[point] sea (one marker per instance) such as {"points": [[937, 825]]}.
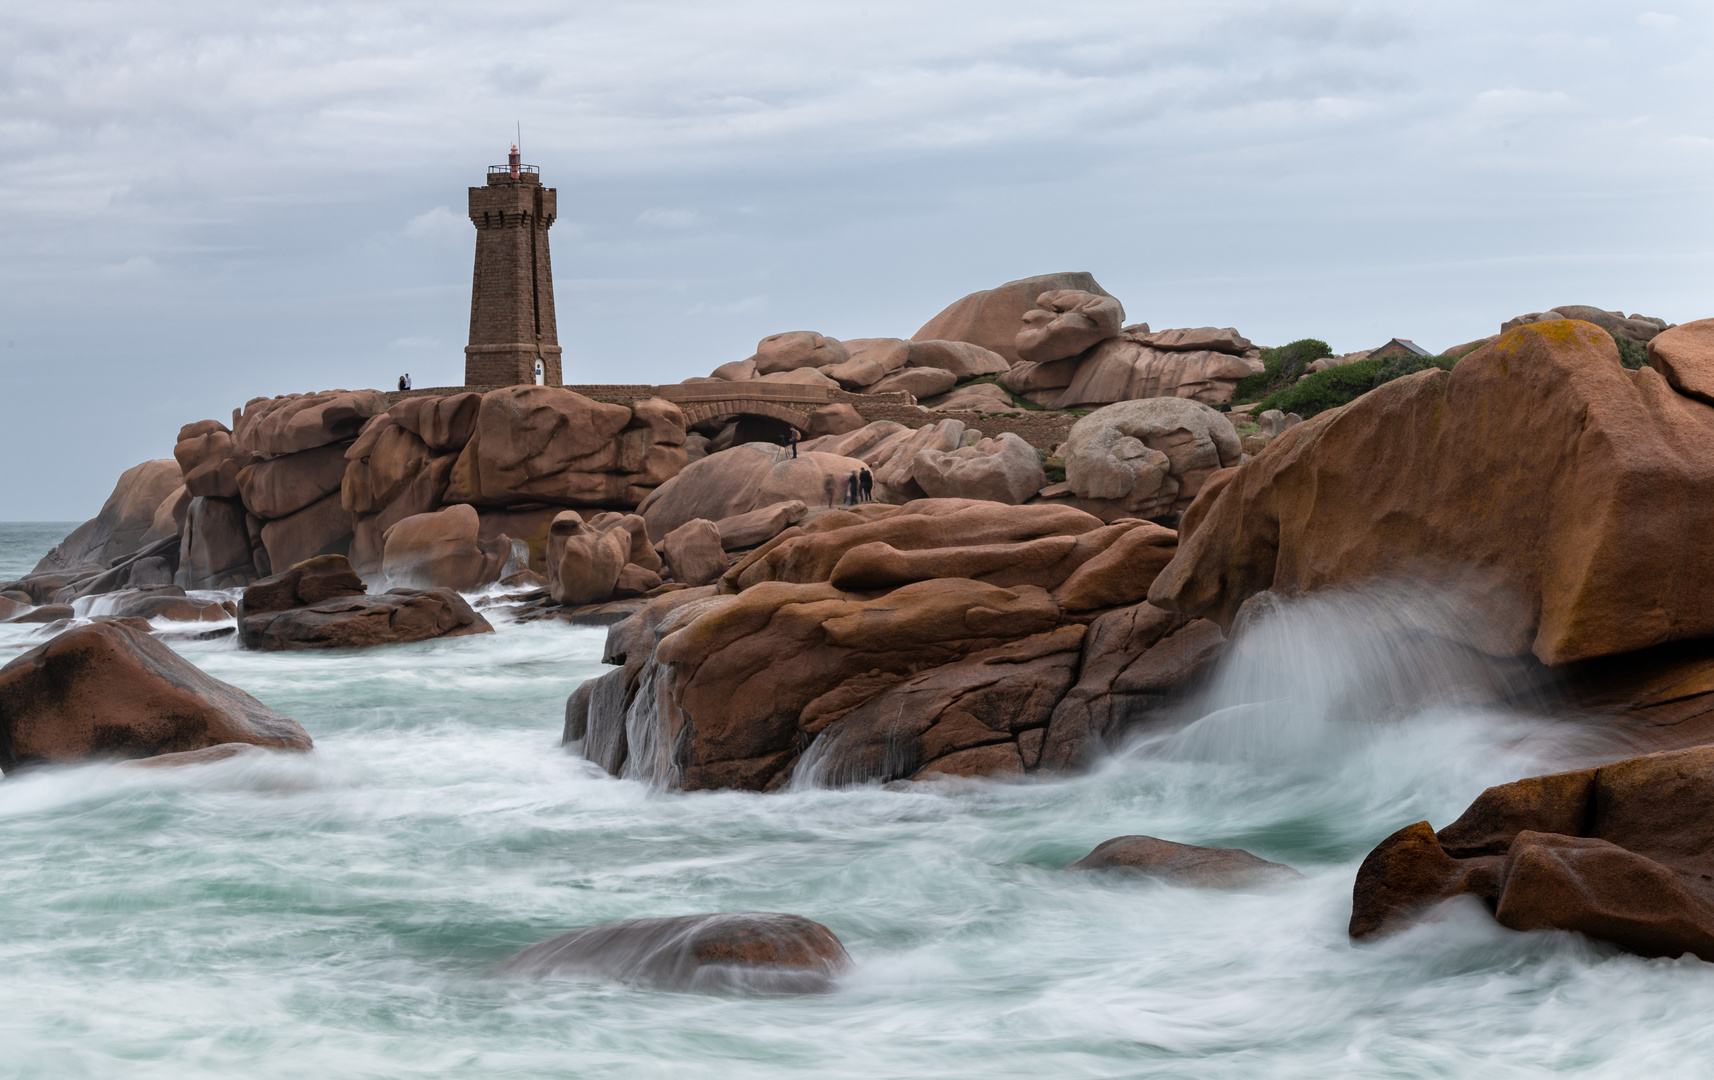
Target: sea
{"points": [[335, 914]]}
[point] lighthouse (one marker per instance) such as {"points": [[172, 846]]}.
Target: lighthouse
{"points": [[513, 337]]}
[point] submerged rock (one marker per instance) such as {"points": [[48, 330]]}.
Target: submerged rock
{"points": [[170, 605], [110, 690], [754, 952], [1623, 853], [218, 752], [1184, 864], [47, 613]]}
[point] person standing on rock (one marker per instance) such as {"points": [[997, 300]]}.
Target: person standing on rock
{"points": [[851, 488], [792, 439], [866, 484], [828, 484]]}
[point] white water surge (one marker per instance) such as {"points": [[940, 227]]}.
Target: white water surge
{"points": [[333, 915]]}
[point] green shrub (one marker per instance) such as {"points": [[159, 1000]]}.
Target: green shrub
{"points": [[1632, 354], [1346, 383], [1280, 367], [1052, 466]]}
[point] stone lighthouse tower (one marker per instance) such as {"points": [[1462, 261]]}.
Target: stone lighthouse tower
{"points": [[513, 337]]}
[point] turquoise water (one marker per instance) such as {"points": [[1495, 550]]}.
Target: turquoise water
{"points": [[332, 915]]}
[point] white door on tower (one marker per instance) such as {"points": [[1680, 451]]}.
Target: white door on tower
{"points": [[541, 374]]}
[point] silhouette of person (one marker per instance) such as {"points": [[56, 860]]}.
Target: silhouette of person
{"points": [[866, 480], [401, 382], [851, 486], [828, 485]]}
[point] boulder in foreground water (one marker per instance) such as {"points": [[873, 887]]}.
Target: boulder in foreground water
{"points": [[108, 690], [757, 952], [1184, 864], [1623, 853]]}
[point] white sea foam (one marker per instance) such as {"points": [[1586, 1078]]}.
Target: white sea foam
{"points": [[332, 915]]}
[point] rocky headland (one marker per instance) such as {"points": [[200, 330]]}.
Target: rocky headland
{"points": [[995, 548]]}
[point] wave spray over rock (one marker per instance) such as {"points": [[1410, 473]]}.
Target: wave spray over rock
{"points": [[1309, 678]]}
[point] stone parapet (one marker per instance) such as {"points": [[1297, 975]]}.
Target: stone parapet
{"points": [[701, 400]]}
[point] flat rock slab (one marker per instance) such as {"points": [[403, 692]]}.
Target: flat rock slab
{"points": [[354, 622], [111, 690], [1185, 864], [756, 952]]}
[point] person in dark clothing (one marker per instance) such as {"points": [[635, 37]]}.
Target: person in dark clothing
{"points": [[866, 480], [401, 382], [851, 489]]}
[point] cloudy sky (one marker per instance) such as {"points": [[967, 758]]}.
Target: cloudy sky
{"points": [[213, 201]]}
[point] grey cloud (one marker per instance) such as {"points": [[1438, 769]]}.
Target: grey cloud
{"points": [[216, 202]]}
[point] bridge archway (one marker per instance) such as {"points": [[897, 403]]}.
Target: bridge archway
{"points": [[722, 410]]}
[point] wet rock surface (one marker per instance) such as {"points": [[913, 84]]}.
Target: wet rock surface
{"points": [[112, 690], [1601, 463], [323, 604], [874, 644], [747, 952], [1621, 853], [1184, 864]]}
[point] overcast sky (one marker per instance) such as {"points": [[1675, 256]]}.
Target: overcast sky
{"points": [[210, 202]]}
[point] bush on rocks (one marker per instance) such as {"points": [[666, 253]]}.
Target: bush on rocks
{"points": [[1281, 366]]}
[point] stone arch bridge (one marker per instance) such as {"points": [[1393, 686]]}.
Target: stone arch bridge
{"points": [[792, 403], [788, 402]]}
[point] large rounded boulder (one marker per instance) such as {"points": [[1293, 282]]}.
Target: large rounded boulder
{"points": [[1004, 469], [1065, 322], [443, 549], [108, 690], [742, 479], [1558, 499], [1149, 457], [992, 318]]}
